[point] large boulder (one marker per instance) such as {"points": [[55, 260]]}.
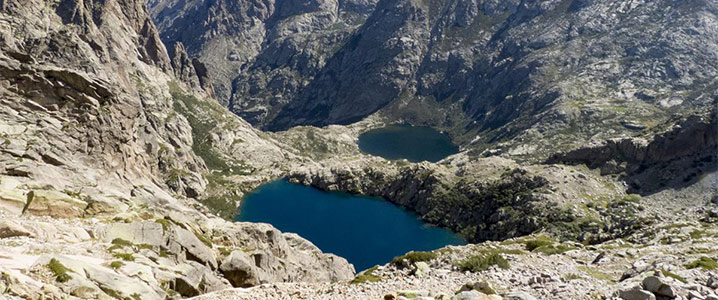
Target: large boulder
{"points": [[197, 279], [182, 240], [53, 203], [654, 285], [636, 294], [239, 270], [284, 256], [11, 229], [11, 200], [149, 233]]}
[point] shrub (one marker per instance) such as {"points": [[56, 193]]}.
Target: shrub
{"points": [[553, 249], [480, 263], [116, 264], [532, 245], [414, 256]]}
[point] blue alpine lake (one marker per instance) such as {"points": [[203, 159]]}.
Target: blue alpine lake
{"points": [[366, 231], [415, 143]]}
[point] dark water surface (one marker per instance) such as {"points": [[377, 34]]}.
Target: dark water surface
{"points": [[415, 143], [366, 231]]}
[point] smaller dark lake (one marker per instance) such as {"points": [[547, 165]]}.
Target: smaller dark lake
{"points": [[415, 143], [366, 231]]}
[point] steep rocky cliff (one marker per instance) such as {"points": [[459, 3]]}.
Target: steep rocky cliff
{"points": [[555, 73], [100, 164]]}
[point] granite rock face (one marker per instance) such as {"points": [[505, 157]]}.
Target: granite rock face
{"points": [[486, 71], [102, 162]]}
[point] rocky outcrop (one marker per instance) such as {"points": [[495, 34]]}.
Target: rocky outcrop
{"points": [[239, 269], [674, 158], [486, 199], [190, 71], [280, 257]]}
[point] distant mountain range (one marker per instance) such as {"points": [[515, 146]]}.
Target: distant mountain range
{"points": [[559, 73]]}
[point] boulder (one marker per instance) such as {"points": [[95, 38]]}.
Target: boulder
{"points": [[482, 286], [473, 295], [54, 204], [654, 285], [11, 200], [194, 248], [11, 229], [239, 270], [519, 296], [421, 269], [636, 294], [712, 281]]}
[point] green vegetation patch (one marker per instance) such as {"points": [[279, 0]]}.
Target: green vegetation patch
{"points": [[572, 276], [203, 239], [366, 276], [59, 270], [704, 262], [124, 256], [538, 242], [595, 273], [414, 256], [673, 275], [483, 262], [116, 264], [544, 244], [553, 249], [203, 116], [121, 242], [224, 251], [699, 234]]}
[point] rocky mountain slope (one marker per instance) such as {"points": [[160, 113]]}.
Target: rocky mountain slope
{"points": [[665, 264], [99, 165], [116, 160], [556, 73]]}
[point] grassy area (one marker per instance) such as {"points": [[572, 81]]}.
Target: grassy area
{"points": [[366, 276], [704, 262], [124, 256], [119, 243], [413, 257], [543, 244], [203, 239], [673, 275], [595, 273], [483, 262]]}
